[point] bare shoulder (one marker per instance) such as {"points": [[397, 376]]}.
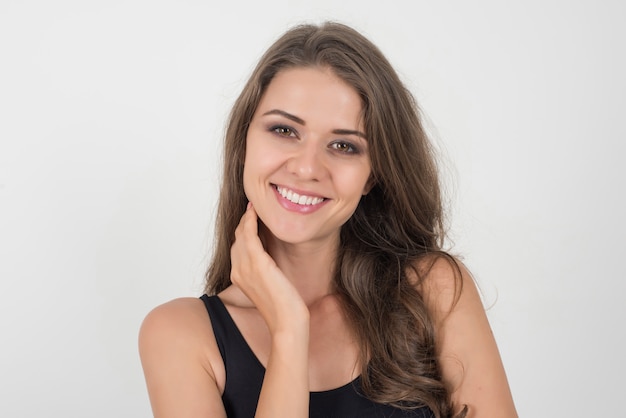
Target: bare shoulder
{"points": [[447, 286], [180, 326], [175, 311], [181, 362], [468, 354], [182, 321]]}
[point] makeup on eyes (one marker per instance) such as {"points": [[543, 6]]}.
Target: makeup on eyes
{"points": [[284, 130], [281, 130], [341, 145]]}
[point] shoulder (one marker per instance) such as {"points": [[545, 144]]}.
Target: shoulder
{"points": [[184, 317], [468, 355], [446, 286], [179, 331], [181, 362]]}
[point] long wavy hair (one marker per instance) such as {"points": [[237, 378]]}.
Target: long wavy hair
{"points": [[396, 226]]}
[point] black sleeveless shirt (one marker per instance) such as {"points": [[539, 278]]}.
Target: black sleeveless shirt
{"points": [[244, 377]]}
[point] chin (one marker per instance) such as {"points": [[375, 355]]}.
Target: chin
{"points": [[283, 233], [291, 234]]}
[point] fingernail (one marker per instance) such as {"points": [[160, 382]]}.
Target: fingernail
{"points": [[249, 205]]}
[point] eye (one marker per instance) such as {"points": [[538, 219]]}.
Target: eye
{"points": [[283, 131], [344, 147]]}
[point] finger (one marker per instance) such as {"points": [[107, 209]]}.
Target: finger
{"points": [[247, 243], [242, 221], [250, 222]]}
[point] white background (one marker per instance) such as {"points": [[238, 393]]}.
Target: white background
{"points": [[111, 117]]}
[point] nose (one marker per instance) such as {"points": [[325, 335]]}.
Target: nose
{"points": [[307, 162]]}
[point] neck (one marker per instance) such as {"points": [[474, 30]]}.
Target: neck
{"points": [[309, 266]]}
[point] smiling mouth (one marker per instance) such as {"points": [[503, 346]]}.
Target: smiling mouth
{"points": [[296, 198]]}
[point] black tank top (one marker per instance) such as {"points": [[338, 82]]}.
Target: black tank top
{"points": [[244, 377]]}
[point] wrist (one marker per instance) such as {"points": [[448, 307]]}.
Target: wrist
{"points": [[291, 327]]}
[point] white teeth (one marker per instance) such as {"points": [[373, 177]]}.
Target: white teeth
{"points": [[299, 199]]}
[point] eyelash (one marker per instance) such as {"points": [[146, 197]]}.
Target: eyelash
{"points": [[351, 148], [280, 130]]}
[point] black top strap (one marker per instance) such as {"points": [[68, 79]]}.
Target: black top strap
{"points": [[244, 378]]}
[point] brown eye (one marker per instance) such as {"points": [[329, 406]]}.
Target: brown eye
{"points": [[283, 131], [344, 147]]}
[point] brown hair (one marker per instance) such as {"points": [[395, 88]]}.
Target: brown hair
{"points": [[396, 225]]}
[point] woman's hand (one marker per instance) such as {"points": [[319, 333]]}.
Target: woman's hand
{"points": [[259, 278], [285, 390]]}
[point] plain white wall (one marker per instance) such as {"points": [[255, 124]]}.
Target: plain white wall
{"points": [[111, 116]]}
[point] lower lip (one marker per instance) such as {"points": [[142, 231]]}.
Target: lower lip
{"points": [[294, 207]]}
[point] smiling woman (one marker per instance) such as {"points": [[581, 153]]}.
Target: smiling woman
{"points": [[305, 154], [328, 293]]}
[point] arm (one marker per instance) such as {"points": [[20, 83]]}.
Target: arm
{"points": [[469, 358], [177, 350], [182, 363], [285, 390]]}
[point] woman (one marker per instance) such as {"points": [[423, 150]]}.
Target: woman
{"points": [[328, 259]]}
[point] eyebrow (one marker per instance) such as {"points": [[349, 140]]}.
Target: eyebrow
{"points": [[303, 123], [285, 114]]}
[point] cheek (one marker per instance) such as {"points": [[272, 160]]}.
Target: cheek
{"points": [[353, 184], [262, 158], [246, 186], [248, 173], [361, 181], [258, 166], [251, 177]]}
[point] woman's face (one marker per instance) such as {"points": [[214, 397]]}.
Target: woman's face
{"points": [[307, 162]]}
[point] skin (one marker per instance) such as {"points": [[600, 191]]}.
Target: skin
{"points": [[306, 135]]}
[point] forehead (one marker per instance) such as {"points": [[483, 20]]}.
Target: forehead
{"points": [[314, 94]]}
